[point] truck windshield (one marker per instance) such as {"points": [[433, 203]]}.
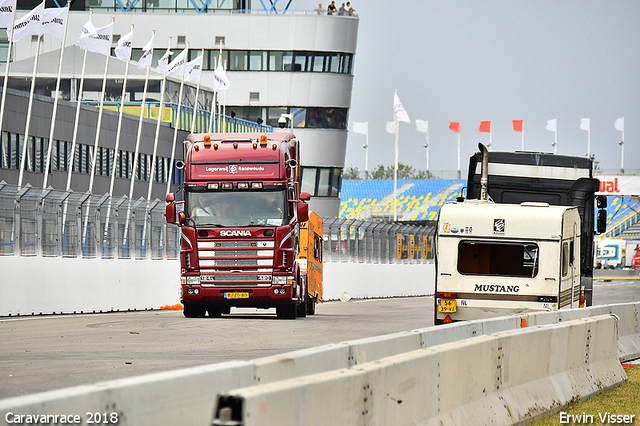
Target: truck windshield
{"points": [[225, 209]]}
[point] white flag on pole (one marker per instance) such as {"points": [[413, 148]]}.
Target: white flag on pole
{"points": [[29, 24], [220, 80], [123, 47], [361, 128], [552, 125], [422, 126], [6, 13], [193, 70], [619, 124], [88, 29], [147, 55], [176, 67], [99, 41], [390, 126], [585, 124], [53, 21], [163, 63], [399, 112]]}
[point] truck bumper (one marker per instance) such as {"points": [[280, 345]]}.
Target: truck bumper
{"points": [[253, 297]]}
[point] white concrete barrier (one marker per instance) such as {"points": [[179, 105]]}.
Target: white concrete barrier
{"points": [[505, 378], [53, 285], [368, 280], [186, 397], [46, 285]]}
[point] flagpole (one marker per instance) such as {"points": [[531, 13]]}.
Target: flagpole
{"points": [[622, 151], [55, 103], [589, 139], [427, 146], [395, 169], [97, 140], [23, 160], [77, 120], [490, 136], [522, 135], [459, 171], [8, 63], [195, 102], [140, 122], [555, 140], [176, 125], [213, 104], [159, 120], [224, 106], [118, 131], [366, 157]]}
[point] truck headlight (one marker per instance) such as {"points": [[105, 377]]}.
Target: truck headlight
{"points": [[280, 280], [191, 280]]}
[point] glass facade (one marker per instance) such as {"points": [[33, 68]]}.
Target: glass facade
{"points": [[11, 146], [268, 60]]}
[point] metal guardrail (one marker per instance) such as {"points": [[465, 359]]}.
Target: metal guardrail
{"points": [[352, 240], [54, 223]]}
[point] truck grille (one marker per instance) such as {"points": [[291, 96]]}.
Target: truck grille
{"points": [[237, 263]]}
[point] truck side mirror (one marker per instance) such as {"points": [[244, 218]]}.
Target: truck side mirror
{"points": [[182, 218], [601, 201], [303, 211], [170, 210], [602, 221], [305, 196]]}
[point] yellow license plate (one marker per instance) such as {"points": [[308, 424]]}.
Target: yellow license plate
{"points": [[446, 305], [236, 295]]}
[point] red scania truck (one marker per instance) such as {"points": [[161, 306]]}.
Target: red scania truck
{"points": [[240, 224]]}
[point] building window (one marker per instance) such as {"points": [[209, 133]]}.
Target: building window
{"points": [[237, 60], [5, 148]]}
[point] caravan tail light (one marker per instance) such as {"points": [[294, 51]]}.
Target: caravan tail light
{"points": [[447, 295]]}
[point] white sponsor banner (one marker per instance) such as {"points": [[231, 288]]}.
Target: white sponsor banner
{"points": [[619, 185]]}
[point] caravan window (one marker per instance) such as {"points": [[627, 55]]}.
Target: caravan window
{"points": [[498, 258]]}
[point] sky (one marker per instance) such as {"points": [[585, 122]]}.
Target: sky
{"points": [[498, 60]]}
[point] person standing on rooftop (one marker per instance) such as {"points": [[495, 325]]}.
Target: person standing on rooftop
{"points": [[320, 9], [342, 10], [332, 8], [350, 9]]}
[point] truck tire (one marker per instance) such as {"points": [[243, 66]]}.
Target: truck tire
{"points": [[287, 311], [214, 312], [302, 307], [311, 305], [193, 311]]}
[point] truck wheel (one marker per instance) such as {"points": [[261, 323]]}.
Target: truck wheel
{"points": [[193, 311], [287, 311], [303, 307], [311, 305], [214, 312]]}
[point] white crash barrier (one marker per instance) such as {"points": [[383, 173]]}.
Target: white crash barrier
{"points": [[505, 378], [629, 333], [187, 396]]}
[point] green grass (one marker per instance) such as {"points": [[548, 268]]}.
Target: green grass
{"points": [[624, 399]]}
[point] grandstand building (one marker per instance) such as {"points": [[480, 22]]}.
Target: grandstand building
{"points": [[296, 63]]}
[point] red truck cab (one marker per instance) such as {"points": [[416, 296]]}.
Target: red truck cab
{"points": [[240, 224]]}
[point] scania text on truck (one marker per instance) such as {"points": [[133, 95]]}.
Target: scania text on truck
{"points": [[240, 225]]}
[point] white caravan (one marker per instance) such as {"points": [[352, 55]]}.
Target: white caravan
{"points": [[500, 259]]}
